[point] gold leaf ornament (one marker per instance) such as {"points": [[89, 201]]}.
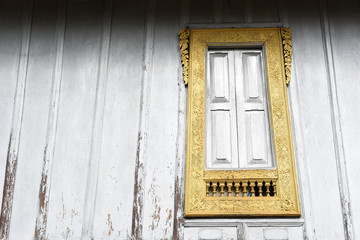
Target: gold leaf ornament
{"points": [[286, 35], [184, 35]]}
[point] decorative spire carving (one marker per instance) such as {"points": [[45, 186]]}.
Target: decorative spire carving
{"points": [[184, 35], [286, 35]]}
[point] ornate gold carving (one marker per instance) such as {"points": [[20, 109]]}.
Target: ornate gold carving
{"points": [[197, 204], [184, 50], [286, 35]]}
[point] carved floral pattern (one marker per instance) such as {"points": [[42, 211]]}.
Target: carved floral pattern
{"points": [[184, 50], [286, 35]]}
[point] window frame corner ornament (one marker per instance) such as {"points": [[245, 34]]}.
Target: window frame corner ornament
{"points": [[286, 35], [184, 35]]}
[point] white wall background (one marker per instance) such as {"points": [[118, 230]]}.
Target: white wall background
{"points": [[92, 103]]}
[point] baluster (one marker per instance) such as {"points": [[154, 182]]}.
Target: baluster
{"points": [[207, 188], [222, 187], [267, 185], [237, 189], [260, 188], [245, 192], [252, 188], [274, 186]]}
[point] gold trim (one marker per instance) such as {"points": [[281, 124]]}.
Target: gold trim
{"points": [[286, 203], [184, 35], [286, 35]]}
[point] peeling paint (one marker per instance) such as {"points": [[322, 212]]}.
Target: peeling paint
{"points": [[136, 230], [41, 220], [8, 191], [109, 223]]}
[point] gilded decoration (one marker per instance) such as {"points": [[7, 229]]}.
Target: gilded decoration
{"points": [[286, 35], [184, 50], [286, 202]]}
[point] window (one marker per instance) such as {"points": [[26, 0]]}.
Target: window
{"points": [[240, 159], [237, 122]]}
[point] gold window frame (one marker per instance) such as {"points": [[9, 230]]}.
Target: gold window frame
{"points": [[276, 43]]}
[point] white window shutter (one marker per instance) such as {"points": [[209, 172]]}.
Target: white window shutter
{"points": [[237, 122], [221, 138]]}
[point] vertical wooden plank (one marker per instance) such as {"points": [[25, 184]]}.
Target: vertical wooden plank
{"points": [[114, 198], [96, 136], [233, 11], [142, 141], [315, 108], [10, 40], [265, 11], [53, 111], [201, 11], [35, 116], [180, 140], [341, 21], [17, 115], [161, 148], [76, 109]]}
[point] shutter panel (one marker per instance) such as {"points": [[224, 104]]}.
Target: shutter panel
{"points": [[253, 110], [221, 143]]}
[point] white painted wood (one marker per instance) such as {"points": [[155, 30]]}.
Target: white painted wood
{"points": [[256, 137], [96, 139], [35, 133], [219, 77], [11, 24], [336, 124], [115, 192], [233, 11], [317, 129], [265, 10], [12, 156], [252, 110], [221, 132], [325, 124], [221, 137], [296, 120], [210, 233], [274, 233], [76, 111], [162, 135], [201, 11], [237, 114]]}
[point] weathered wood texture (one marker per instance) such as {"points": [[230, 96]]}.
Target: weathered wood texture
{"points": [[93, 111]]}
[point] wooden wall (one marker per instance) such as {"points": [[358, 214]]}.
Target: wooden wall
{"points": [[93, 117]]}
